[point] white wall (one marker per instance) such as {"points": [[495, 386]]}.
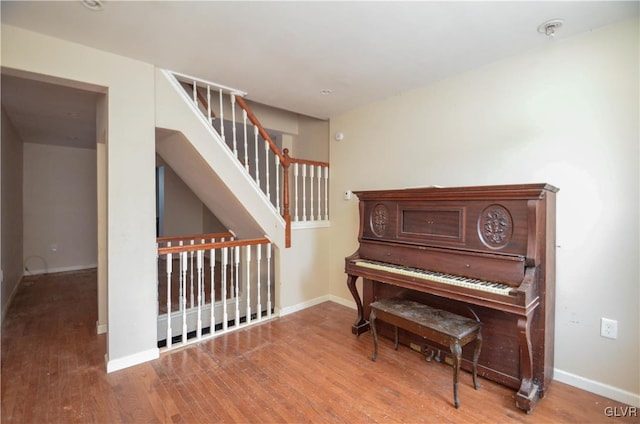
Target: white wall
{"points": [[183, 210], [102, 130], [11, 212], [59, 208], [301, 277], [130, 181], [565, 115], [312, 140]]}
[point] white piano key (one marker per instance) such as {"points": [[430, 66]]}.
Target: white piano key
{"points": [[455, 280]]}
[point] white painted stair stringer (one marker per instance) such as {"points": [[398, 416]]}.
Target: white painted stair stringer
{"points": [[198, 155]]}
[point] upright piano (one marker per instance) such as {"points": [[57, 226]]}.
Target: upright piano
{"points": [[488, 249]]}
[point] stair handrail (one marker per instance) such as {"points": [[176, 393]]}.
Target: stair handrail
{"points": [[209, 236], [308, 162], [284, 160], [214, 245], [254, 120], [189, 78]]}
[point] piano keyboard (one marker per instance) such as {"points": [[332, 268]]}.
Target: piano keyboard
{"points": [[439, 277]]}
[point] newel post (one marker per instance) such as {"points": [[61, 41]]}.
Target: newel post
{"points": [[285, 195]]}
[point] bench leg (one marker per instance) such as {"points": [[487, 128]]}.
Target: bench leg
{"points": [[476, 355], [372, 325], [456, 352]]}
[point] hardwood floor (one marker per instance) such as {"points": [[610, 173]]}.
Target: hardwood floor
{"points": [[304, 367]]}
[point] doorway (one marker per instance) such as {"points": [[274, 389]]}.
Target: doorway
{"points": [[57, 125]]}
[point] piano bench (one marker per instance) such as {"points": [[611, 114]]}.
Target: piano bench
{"points": [[441, 327]]}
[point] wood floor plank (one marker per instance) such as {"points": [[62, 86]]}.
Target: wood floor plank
{"points": [[304, 367]]}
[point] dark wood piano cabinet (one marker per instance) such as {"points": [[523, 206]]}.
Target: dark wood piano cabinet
{"points": [[491, 248]]}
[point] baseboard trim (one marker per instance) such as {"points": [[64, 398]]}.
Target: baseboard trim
{"points": [[303, 305], [5, 307], [318, 300], [342, 301], [131, 360], [597, 387], [60, 269], [101, 328]]}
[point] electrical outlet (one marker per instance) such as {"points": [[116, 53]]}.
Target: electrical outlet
{"points": [[609, 328]]}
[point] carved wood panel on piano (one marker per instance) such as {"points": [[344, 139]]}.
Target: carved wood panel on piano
{"points": [[491, 248]]}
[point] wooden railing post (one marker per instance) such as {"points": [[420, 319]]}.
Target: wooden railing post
{"points": [[285, 197]]}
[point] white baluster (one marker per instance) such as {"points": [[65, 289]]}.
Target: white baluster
{"points": [[295, 190], [191, 298], [236, 258], [255, 148], [222, 117], [266, 170], [223, 272], [258, 287], [311, 176], [326, 193], [209, 105], [304, 191], [183, 283], [269, 280], [199, 255], [183, 265], [247, 279], [278, 183], [212, 268], [233, 124], [195, 94], [169, 272], [246, 150], [319, 193]]}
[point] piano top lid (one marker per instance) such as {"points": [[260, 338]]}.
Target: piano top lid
{"points": [[512, 191]]}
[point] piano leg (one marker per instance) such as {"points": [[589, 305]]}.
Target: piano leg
{"points": [[527, 396], [360, 325]]}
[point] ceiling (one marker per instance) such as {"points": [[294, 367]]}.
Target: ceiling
{"points": [[284, 54], [46, 113]]}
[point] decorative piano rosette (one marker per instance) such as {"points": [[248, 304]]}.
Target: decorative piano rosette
{"points": [[379, 220], [495, 226]]}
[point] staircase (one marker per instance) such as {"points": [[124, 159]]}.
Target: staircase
{"points": [[210, 137], [200, 156]]}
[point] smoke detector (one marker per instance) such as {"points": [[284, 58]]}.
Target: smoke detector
{"points": [[550, 28]]}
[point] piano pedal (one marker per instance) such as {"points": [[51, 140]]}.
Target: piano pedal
{"points": [[431, 353], [429, 356]]}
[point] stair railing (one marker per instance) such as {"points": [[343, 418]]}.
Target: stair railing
{"points": [[209, 284], [282, 160], [214, 101]]}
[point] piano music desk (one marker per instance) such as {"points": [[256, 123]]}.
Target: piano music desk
{"points": [[441, 327]]}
